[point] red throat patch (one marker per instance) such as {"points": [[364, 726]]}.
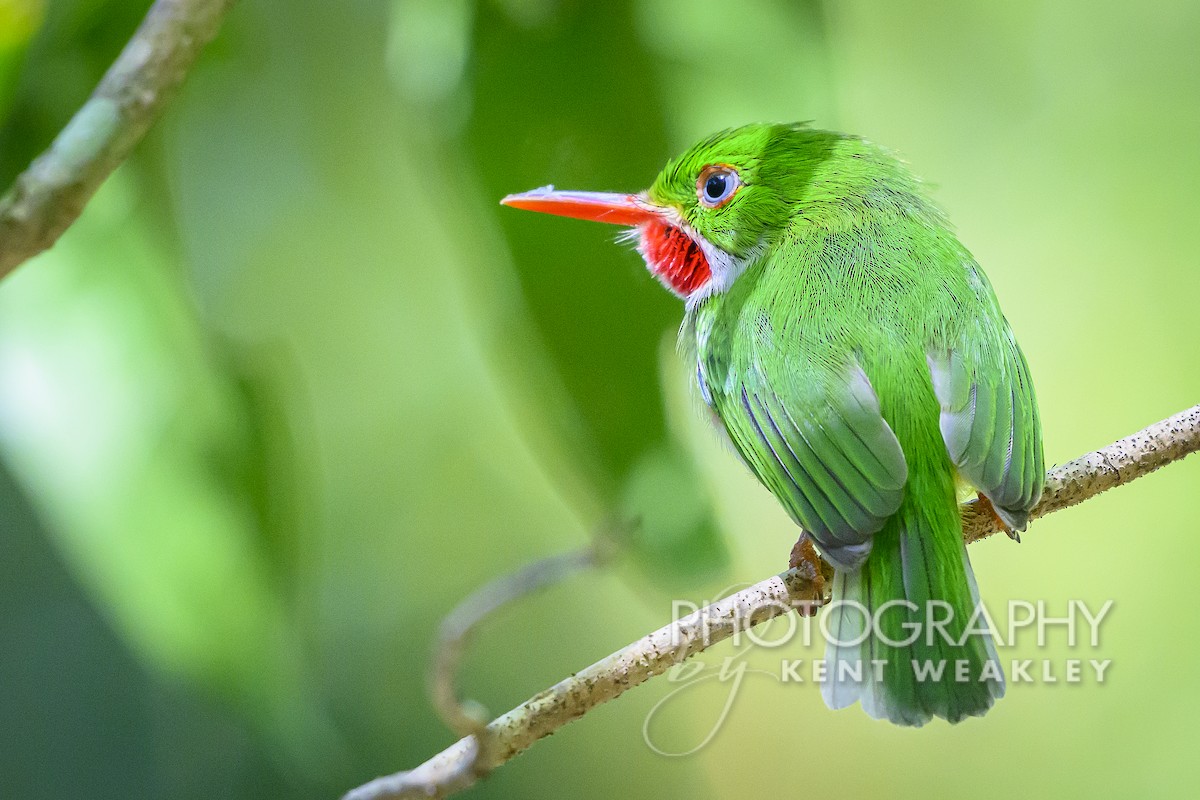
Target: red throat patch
{"points": [[674, 258]]}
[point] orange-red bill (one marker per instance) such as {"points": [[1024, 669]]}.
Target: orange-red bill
{"points": [[617, 209]]}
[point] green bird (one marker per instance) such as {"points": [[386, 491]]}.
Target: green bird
{"points": [[857, 357]]}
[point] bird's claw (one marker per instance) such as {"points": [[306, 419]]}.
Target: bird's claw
{"points": [[986, 506]]}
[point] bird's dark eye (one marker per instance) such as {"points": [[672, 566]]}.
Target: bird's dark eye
{"points": [[716, 185]]}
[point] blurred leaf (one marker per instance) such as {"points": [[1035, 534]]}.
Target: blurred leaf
{"points": [[592, 303], [675, 536], [713, 78], [428, 46], [115, 422], [19, 21]]}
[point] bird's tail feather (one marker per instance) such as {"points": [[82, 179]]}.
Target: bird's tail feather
{"points": [[905, 637]]}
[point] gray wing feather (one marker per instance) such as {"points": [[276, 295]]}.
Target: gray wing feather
{"points": [[990, 424]]}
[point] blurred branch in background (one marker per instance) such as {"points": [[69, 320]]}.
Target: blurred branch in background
{"points": [[458, 767], [468, 718], [51, 194]]}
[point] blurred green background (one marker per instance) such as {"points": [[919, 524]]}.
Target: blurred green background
{"points": [[295, 384]]}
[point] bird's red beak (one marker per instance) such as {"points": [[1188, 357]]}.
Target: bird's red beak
{"points": [[618, 209]]}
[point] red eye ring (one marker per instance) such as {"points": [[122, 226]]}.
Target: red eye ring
{"points": [[717, 185]]}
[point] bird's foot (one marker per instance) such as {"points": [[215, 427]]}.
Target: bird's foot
{"points": [[986, 507], [815, 571]]}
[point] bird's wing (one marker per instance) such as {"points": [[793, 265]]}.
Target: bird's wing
{"points": [[990, 422], [823, 448]]}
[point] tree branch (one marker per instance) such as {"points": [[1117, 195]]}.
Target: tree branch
{"points": [[466, 717], [50, 195], [1108, 467], [569, 699]]}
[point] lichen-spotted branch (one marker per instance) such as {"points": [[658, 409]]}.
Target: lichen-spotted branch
{"points": [[569, 699], [51, 194]]}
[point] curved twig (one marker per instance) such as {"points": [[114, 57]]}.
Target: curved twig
{"points": [[468, 718], [569, 699], [51, 194]]}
